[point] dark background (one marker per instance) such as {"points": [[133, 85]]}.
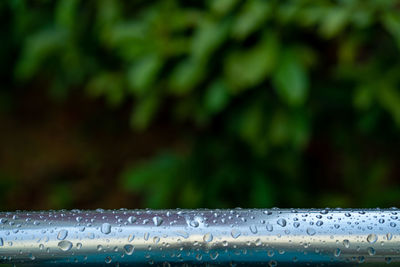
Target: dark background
{"points": [[219, 103]]}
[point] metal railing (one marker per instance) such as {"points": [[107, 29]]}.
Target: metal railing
{"points": [[273, 237]]}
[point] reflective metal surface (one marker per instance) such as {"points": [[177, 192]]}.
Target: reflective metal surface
{"points": [[272, 237]]}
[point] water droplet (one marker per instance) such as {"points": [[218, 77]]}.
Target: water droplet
{"points": [[31, 256], [235, 233], [319, 223], [132, 219], [78, 219], [337, 252], [156, 239], [208, 237], [272, 263], [310, 231], [392, 224], [79, 245], [108, 260], [157, 220], [194, 224], [389, 236], [99, 247], [65, 245], [381, 221], [182, 234], [324, 211], [128, 249], [269, 227], [371, 251], [336, 226], [372, 238], [347, 214], [296, 224], [360, 259], [253, 229], [130, 238], [270, 253], [346, 243], [1, 242], [62, 234], [214, 255], [281, 222], [106, 228]]}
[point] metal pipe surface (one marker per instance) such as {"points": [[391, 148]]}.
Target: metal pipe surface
{"points": [[268, 237]]}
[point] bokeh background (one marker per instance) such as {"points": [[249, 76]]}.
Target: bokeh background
{"points": [[187, 103]]}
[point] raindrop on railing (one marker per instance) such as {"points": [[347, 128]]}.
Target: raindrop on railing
{"points": [[106, 228], [208, 237], [132, 219], [372, 238], [310, 231], [281, 222], [235, 233], [65, 245], [128, 249], [62, 234], [157, 220]]}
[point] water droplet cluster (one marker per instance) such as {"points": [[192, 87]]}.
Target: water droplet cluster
{"points": [[271, 237]]}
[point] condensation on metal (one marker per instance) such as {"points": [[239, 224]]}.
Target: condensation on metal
{"points": [[273, 237]]}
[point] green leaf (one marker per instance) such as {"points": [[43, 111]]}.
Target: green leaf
{"points": [[129, 39], [144, 111], [108, 13], [186, 76], [253, 14], [222, 7], [363, 96], [208, 37], [216, 97], [334, 21], [66, 13], [107, 84], [287, 11], [143, 73], [248, 68], [391, 21], [38, 49], [291, 80], [310, 15]]}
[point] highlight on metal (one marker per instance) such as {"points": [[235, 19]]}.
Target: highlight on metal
{"points": [[267, 237]]}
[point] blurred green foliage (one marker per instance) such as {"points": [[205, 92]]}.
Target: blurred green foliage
{"points": [[289, 103]]}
